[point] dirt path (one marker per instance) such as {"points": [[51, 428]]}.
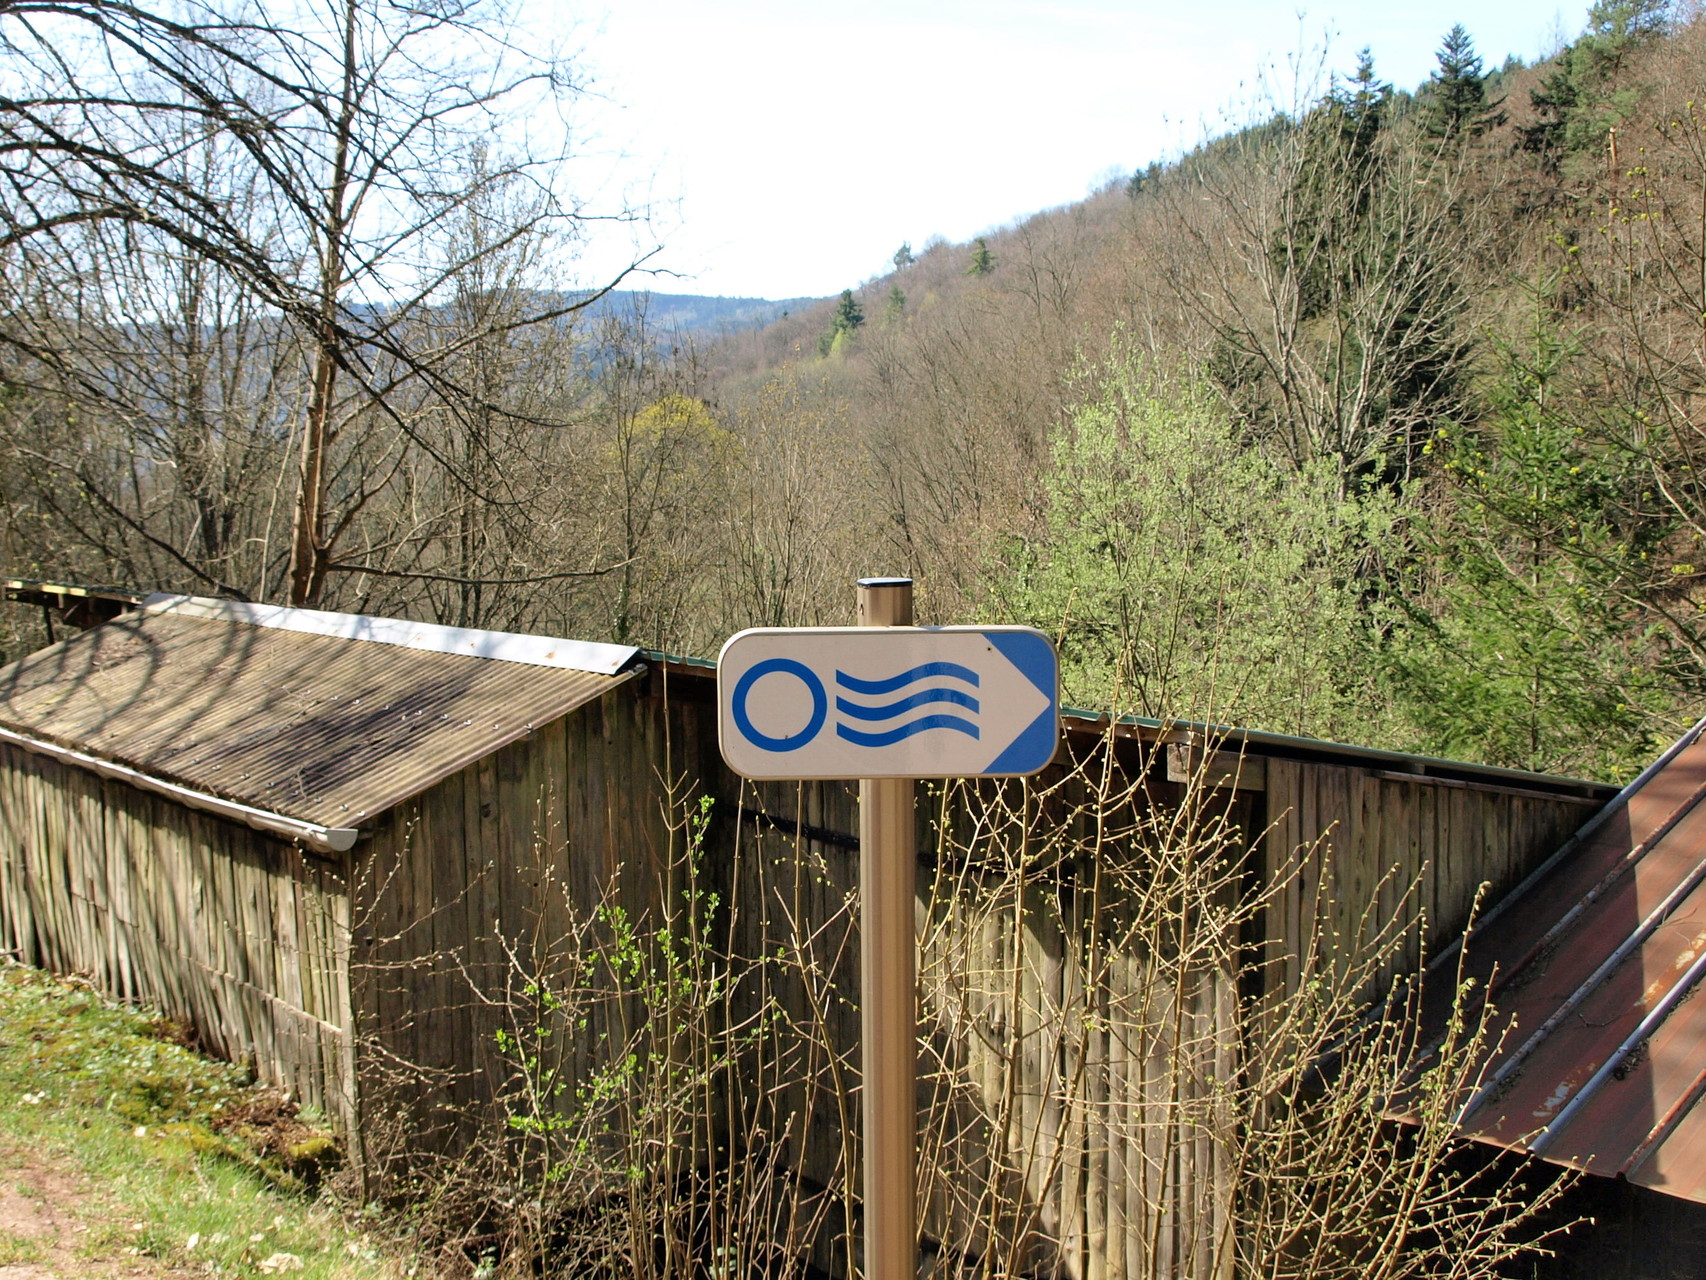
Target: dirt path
{"points": [[44, 1226]]}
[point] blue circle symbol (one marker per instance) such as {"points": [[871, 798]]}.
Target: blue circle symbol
{"points": [[756, 672]]}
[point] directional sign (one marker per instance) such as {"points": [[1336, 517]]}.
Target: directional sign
{"points": [[888, 702]]}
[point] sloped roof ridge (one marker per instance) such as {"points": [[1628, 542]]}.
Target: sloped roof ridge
{"points": [[429, 637]]}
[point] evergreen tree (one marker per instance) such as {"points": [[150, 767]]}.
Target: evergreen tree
{"points": [[896, 303], [1358, 113], [1362, 347], [1580, 100], [1523, 650], [1335, 184], [982, 260], [1141, 180], [903, 256], [1456, 104], [1554, 102], [848, 317]]}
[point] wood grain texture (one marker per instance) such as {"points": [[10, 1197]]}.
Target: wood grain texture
{"points": [[214, 923], [334, 975]]}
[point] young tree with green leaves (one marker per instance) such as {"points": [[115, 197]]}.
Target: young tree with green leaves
{"points": [[1185, 574]]}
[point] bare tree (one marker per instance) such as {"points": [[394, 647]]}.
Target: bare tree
{"points": [[663, 457], [795, 517], [343, 131], [1323, 254], [153, 451]]}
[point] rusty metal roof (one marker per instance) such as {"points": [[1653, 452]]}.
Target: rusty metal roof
{"points": [[328, 718], [1593, 965]]}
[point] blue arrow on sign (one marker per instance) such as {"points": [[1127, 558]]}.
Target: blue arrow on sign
{"points": [[1032, 654]]}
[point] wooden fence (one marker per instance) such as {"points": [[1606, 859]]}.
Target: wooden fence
{"points": [[244, 935], [402, 965], [1069, 1071]]}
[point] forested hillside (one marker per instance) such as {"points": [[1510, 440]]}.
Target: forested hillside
{"points": [[690, 314], [1376, 420]]}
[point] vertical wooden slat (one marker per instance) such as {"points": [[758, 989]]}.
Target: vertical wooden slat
{"points": [[212, 920]]}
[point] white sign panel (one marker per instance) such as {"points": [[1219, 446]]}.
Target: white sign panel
{"points": [[888, 702]]}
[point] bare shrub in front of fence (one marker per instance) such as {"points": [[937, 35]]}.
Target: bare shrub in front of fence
{"points": [[1144, 1052]]}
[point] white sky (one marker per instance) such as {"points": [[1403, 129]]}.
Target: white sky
{"points": [[790, 146]]}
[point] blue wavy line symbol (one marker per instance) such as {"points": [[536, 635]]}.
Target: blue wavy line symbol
{"points": [[872, 713]]}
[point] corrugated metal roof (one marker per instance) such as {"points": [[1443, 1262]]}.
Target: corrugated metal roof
{"points": [[1593, 967], [329, 718]]}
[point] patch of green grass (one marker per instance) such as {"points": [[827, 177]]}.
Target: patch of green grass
{"points": [[92, 1086], [19, 1250]]}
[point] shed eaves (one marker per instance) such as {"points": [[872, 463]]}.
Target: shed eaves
{"points": [[327, 718]]}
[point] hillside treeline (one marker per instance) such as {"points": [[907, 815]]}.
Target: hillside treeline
{"points": [[1375, 419]]}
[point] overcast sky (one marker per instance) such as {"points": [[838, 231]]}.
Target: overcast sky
{"points": [[790, 146]]}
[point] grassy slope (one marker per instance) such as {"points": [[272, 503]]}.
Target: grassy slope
{"points": [[152, 1157]]}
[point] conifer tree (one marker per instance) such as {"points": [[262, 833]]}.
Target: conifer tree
{"points": [[1335, 184], [1579, 100], [1457, 103], [848, 314], [1359, 112], [848, 317], [982, 260], [1141, 179], [1360, 347], [903, 256]]}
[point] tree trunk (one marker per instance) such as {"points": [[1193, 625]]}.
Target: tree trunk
{"points": [[310, 556]]}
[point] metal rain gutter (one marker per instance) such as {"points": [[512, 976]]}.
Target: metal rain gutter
{"points": [[1229, 738], [314, 836]]}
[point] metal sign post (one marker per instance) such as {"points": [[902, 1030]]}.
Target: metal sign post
{"points": [[888, 859], [888, 703]]}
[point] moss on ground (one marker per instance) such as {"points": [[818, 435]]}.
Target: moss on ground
{"points": [[175, 1157]]}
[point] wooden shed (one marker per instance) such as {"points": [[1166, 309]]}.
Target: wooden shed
{"points": [[184, 789], [341, 844]]}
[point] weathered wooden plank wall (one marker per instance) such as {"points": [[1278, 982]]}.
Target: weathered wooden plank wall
{"points": [[1042, 1141], [1423, 848], [1050, 1068], [242, 934], [487, 882], [1044, 1059]]}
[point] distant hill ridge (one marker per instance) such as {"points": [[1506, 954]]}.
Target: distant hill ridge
{"points": [[695, 313]]}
